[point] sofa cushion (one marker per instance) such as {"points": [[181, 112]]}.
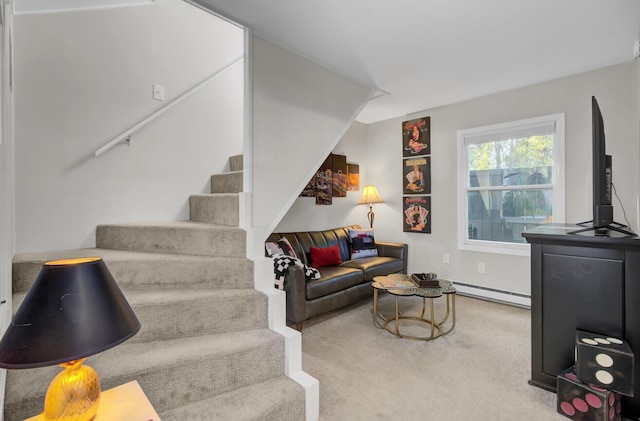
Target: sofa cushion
{"points": [[325, 256], [375, 266], [333, 279], [362, 243]]}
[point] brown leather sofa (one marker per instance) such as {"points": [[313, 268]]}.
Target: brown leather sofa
{"points": [[340, 285]]}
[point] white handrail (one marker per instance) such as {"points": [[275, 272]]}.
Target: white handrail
{"points": [[126, 135]]}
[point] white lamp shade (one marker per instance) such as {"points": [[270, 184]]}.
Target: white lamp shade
{"points": [[370, 196]]}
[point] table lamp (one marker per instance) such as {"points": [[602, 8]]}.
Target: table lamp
{"points": [[74, 309], [370, 196]]}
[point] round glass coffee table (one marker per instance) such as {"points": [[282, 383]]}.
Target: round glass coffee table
{"points": [[400, 285]]}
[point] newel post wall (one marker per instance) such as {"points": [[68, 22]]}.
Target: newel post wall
{"points": [[300, 111]]}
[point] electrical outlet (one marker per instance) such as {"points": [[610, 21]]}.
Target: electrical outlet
{"points": [[446, 258], [481, 268]]}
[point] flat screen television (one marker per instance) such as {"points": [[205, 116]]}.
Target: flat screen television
{"points": [[602, 220], [602, 208]]}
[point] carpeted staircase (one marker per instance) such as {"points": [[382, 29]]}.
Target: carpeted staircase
{"points": [[204, 351]]}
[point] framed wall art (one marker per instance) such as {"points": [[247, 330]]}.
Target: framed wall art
{"points": [[416, 137], [324, 182], [417, 214], [353, 177], [417, 175], [334, 178], [339, 168]]}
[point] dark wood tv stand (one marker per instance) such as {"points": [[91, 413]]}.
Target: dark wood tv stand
{"points": [[582, 281]]}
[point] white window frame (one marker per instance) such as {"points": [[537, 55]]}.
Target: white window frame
{"points": [[513, 129]]}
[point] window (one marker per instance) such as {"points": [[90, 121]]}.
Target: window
{"points": [[510, 179]]}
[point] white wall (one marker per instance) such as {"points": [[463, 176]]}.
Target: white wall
{"points": [[344, 210], [7, 216], [617, 94], [301, 110], [637, 135], [7, 178], [84, 77]]}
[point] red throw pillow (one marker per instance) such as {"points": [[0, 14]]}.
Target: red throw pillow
{"points": [[328, 256]]}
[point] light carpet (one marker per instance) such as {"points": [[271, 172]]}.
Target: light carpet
{"points": [[477, 372]]}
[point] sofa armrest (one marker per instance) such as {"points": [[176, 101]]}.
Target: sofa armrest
{"points": [[397, 250], [295, 286]]}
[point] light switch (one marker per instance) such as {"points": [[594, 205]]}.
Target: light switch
{"points": [[158, 92]]}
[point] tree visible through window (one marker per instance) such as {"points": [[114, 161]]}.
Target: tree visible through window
{"points": [[509, 180]]}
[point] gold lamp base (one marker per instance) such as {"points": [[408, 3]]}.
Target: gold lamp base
{"points": [[74, 394]]}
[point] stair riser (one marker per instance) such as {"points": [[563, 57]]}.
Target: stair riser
{"points": [[227, 182], [220, 209], [190, 273], [230, 275], [275, 400], [190, 318], [202, 242], [199, 379], [236, 163], [168, 385]]}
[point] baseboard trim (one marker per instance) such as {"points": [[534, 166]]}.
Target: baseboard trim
{"points": [[493, 294]]}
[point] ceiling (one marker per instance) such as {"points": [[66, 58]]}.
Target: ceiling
{"points": [[427, 53], [49, 6]]}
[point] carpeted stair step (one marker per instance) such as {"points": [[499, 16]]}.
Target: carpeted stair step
{"points": [[236, 163], [182, 237], [189, 313], [278, 399], [145, 270], [180, 314], [171, 373], [230, 182], [220, 208]]}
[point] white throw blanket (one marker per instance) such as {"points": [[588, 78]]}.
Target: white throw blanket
{"points": [[281, 262]]}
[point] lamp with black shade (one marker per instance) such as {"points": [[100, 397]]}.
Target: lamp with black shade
{"points": [[73, 310]]}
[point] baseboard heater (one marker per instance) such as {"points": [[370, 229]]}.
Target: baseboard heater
{"points": [[493, 294]]}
